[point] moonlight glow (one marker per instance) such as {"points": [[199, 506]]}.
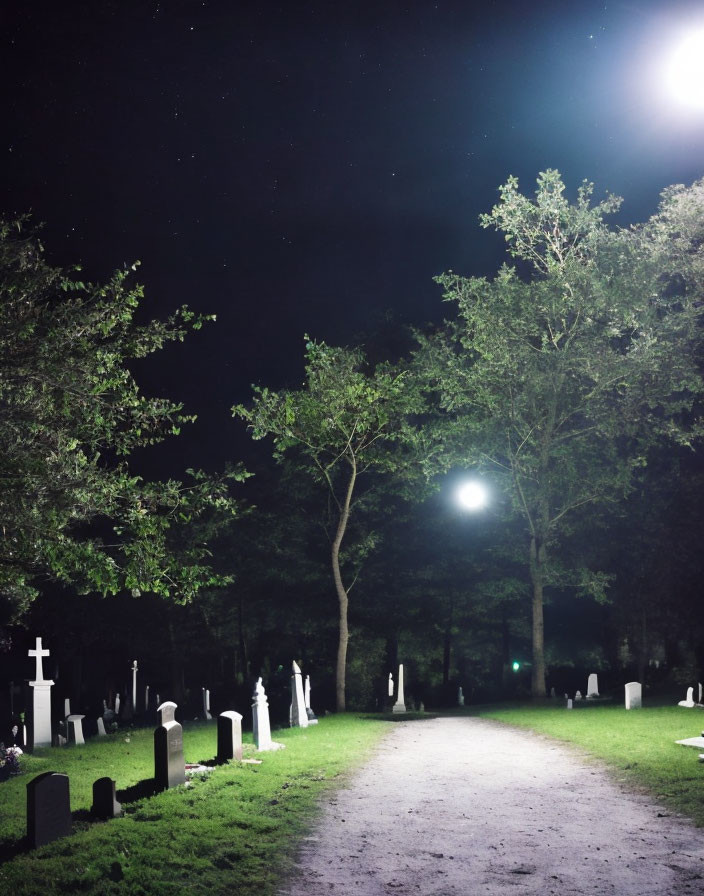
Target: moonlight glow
{"points": [[685, 71], [472, 495]]}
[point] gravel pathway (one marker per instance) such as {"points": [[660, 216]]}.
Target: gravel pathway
{"points": [[467, 806]]}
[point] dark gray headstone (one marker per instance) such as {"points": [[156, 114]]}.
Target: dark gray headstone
{"points": [[229, 736], [104, 803], [169, 764], [48, 809]]}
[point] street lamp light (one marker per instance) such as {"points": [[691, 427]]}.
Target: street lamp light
{"points": [[472, 495], [685, 70]]}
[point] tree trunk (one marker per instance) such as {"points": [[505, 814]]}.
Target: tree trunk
{"points": [[342, 598], [447, 645], [537, 559]]}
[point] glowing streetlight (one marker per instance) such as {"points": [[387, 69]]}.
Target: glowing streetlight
{"points": [[685, 70], [472, 495]]}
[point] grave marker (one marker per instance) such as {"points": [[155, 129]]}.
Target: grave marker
{"points": [[101, 727], [48, 809], [593, 686], [134, 685], [229, 736], [400, 705], [206, 703], [634, 695], [41, 700], [169, 764], [460, 696], [689, 700], [105, 805], [75, 729], [261, 727]]}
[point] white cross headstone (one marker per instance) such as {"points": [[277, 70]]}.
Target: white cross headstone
{"points": [[41, 699], [400, 705], [634, 695], [134, 685]]}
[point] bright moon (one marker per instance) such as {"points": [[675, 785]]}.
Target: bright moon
{"points": [[685, 73], [472, 495]]}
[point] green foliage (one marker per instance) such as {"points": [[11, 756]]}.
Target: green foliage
{"points": [[234, 830], [70, 413]]}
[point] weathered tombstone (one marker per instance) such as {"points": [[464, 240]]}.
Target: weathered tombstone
{"points": [[67, 707], [593, 686], [134, 685], [74, 724], [229, 736], [689, 701], [400, 705], [569, 703], [391, 685], [261, 727], [634, 695], [206, 703], [117, 705], [299, 717], [169, 764], [104, 803], [460, 696], [578, 695], [312, 720], [700, 693], [101, 727], [41, 700], [48, 809]]}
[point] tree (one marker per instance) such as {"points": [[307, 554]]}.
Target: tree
{"points": [[559, 372], [346, 423], [70, 415]]}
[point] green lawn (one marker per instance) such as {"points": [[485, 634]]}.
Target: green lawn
{"points": [[234, 831], [639, 744]]}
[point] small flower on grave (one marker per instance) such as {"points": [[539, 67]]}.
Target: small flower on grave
{"points": [[10, 760]]}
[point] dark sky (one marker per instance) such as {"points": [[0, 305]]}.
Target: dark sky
{"points": [[306, 167]]}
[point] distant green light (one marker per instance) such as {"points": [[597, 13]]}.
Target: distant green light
{"points": [[516, 665]]}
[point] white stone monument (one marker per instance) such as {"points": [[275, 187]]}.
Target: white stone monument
{"points": [[578, 695], [41, 700], [206, 703], [74, 724], [593, 686], [688, 702], [569, 703], [299, 716], [391, 685], [400, 705], [101, 727], [634, 695], [134, 685], [460, 696], [146, 698], [117, 704], [261, 728]]}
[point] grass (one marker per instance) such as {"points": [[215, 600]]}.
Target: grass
{"points": [[638, 744], [234, 830]]}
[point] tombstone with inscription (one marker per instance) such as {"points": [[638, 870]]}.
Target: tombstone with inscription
{"points": [[105, 805], [229, 736], [48, 809], [299, 717], [40, 715], [74, 724], [400, 704], [169, 764], [634, 695]]}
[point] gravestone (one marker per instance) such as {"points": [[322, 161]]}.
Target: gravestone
{"points": [[312, 720], [41, 701], [391, 685], [74, 724], [229, 736], [169, 764], [593, 686], [261, 728], [117, 705], [634, 695], [578, 695], [689, 701], [400, 705], [206, 703], [146, 698], [569, 703], [134, 685], [299, 717], [460, 696], [101, 727], [104, 803], [48, 809], [67, 707], [552, 693]]}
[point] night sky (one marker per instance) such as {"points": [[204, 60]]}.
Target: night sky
{"points": [[309, 167]]}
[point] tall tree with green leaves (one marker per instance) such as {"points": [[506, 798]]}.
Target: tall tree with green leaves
{"points": [[558, 373], [346, 425], [70, 415]]}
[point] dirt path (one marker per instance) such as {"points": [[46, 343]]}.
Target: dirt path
{"points": [[466, 806]]}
